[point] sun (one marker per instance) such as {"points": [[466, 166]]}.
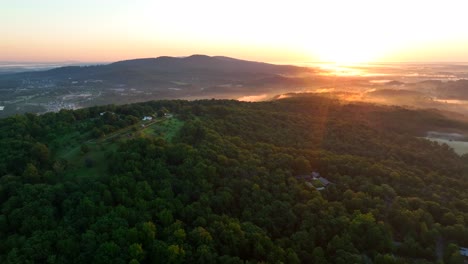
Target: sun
{"points": [[347, 49], [344, 56], [343, 52]]}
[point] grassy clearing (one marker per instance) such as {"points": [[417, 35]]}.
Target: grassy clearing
{"points": [[67, 145], [91, 161], [88, 163], [167, 128]]}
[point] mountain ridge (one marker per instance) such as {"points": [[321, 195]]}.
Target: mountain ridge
{"points": [[197, 62]]}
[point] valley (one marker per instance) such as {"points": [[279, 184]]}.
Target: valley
{"points": [[202, 77]]}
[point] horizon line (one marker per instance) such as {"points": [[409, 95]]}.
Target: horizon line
{"points": [[71, 61]]}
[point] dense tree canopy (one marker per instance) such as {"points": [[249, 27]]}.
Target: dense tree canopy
{"points": [[92, 185]]}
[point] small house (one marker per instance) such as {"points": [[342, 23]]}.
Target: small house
{"points": [[315, 174], [324, 181], [314, 180], [147, 118]]}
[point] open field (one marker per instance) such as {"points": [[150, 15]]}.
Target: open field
{"points": [[88, 159], [166, 128]]}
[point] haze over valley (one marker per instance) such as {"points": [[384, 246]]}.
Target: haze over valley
{"points": [[441, 86]]}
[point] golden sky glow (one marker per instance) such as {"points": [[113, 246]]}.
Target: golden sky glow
{"points": [[275, 31]]}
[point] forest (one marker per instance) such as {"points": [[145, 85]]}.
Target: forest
{"points": [[215, 181]]}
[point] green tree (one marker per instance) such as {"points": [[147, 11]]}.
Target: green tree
{"points": [[41, 153], [367, 235], [452, 254], [84, 148], [319, 256], [136, 251], [147, 232], [176, 254], [31, 174], [301, 165], [291, 257], [108, 252]]}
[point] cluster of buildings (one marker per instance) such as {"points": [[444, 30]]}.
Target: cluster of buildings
{"points": [[56, 106], [149, 118]]}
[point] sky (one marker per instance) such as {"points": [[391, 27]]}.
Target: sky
{"points": [[272, 31]]}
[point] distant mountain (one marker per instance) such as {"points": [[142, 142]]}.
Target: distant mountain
{"points": [[167, 68], [203, 62], [193, 77], [17, 67]]}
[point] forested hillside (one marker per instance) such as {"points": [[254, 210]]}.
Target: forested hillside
{"points": [[214, 181]]}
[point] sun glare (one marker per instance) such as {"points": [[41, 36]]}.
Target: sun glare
{"points": [[342, 52]]}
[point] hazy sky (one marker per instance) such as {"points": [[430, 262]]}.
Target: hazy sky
{"points": [[274, 31]]}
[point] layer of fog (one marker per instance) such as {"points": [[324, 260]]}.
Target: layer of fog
{"points": [[440, 86]]}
